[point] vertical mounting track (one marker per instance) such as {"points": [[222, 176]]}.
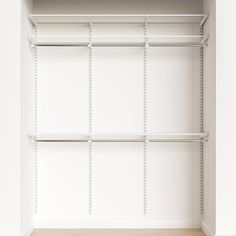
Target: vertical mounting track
{"points": [[90, 119], [201, 126], [35, 125], [146, 117]]}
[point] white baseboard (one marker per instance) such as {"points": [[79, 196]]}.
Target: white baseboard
{"points": [[28, 232], [206, 229], [10, 235], [114, 223]]}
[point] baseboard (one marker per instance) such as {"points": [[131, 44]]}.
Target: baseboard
{"points": [[114, 223], [206, 229], [225, 235], [27, 232], [10, 235]]}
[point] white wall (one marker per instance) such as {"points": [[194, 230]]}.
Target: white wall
{"points": [[27, 85], [225, 117], [10, 118], [208, 221], [114, 6]]}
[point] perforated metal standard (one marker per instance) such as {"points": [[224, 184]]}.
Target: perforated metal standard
{"points": [[35, 125], [90, 119], [201, 126], [146, 118]]}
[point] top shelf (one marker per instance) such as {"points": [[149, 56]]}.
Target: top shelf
{"points": [[118, 18]]}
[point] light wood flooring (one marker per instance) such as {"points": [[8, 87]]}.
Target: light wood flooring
{"points": [[116, 232]]}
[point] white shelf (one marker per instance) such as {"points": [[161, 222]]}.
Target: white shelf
{"points": [[166, 137], [118, 18], [108, 41]]}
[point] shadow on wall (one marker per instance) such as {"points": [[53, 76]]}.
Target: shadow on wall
{"points": [[121, 6]]}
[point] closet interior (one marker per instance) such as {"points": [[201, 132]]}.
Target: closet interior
{"points": [[117, 123]]}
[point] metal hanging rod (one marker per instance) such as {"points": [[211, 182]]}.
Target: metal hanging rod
{"points": [[118, 18], [106, 41], [181, 137]]}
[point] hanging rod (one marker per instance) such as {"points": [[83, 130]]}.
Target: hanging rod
{"points": [[118, 18], [174, 137], [106, 41]]}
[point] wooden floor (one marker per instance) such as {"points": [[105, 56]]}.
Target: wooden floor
{"points": [[116, 232]]}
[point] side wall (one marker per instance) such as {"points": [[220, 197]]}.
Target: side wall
{"points": [[10, 119], [27, 157], [225, 118], [208, 223]]}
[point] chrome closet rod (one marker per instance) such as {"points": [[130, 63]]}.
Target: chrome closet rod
{"points": [[120, 140], [116, 15], [118, 45], [119, 23]]}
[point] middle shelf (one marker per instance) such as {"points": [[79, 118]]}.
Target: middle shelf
{"points": [[165, 137]]}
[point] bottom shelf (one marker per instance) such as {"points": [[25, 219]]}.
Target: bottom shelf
{"points": [[166, 137]]}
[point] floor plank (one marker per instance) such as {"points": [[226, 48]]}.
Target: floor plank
{"points": [[116, 232]]}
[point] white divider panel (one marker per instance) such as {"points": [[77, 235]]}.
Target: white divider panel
{"points": [[118, 170], [62, 180], [173, 183]]}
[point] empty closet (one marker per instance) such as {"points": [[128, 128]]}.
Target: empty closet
{"points": [[117, 125]]}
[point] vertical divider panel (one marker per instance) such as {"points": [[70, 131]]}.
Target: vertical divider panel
{"points": [[90, 119], [145, 116]]}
